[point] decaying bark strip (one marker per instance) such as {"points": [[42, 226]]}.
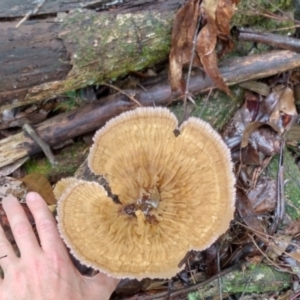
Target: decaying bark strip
{"points": [[92, 116]]}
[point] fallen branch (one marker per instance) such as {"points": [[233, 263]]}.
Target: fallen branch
{"points": [[92, 116], [275, 40]]}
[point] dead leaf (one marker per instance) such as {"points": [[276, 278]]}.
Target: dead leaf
{"points": [[287, 102], [266, 141], [251, 128], [184, 27], [280, 243], [39, 183], [263, 196], [247, 213], [293, 228], [248, 156], [207, 40], [205, 46], [224, 13], [233, 132], [215, 17]]}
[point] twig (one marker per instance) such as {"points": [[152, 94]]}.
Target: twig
{"points": [[44, 146], [280, 209], [259, 234], [265, 255], [31, 12], [191, 288], [294, 297], [123, 93], [271, 39], [186, 92]]}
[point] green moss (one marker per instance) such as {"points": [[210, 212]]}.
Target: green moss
{"points": [[34, 165], [217, 110], [68, 160], [263, 278], [116, 45], [253, 14], [255, 279]]}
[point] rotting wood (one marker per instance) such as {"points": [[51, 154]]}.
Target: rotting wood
{"points": [[275, 40], [47, 57], [92, 116]]}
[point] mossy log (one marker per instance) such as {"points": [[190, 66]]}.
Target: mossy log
{"points": [[49, 56]]}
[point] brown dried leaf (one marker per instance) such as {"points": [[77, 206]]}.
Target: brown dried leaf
{"points": [[218, 14], [234, 130], [284, 107], [278, 246], [266, 140], [224, 13], [206, 42], [246, 211], [184, 27], [248, 156], [251, 128], [39, 183], [263, 196], [293, 228]]}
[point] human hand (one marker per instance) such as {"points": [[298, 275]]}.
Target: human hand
{"points": [[43, 271]]}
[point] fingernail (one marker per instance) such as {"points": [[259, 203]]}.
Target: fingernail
{"points": [[31, 197]]}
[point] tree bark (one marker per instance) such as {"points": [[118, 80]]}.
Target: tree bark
{"points": [[48, 56]]}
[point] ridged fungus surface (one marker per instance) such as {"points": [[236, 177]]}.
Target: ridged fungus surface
{"points": [[176, 193]]}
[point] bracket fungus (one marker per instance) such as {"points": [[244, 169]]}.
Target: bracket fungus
{"points": [[176, 193]]}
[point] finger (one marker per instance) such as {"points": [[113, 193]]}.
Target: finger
{"points": [[45, 224], [7, 254], [102, 284], [20, 226]]}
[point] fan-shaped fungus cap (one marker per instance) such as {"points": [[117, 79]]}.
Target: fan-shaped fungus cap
{"points": [[176, 193]]}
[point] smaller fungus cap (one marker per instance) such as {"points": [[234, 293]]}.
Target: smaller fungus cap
{"points": [[176, 193]]}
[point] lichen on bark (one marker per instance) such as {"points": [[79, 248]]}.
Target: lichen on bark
{"points": [[105, 46]]}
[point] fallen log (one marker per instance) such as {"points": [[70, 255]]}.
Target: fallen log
{"points": [[92, 116], [48, 56]]}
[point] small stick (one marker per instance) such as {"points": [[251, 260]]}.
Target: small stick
{"points": [[120, 91], [31, 12], [44, 146], [187, 95]]}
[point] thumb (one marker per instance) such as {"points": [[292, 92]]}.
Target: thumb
{"points": [[102, 284]]}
